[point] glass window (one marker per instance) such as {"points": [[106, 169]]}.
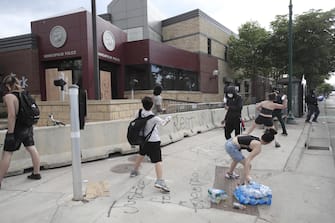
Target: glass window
{"points": [[168, 78], [209, 46], [226, 53], [174, 79]]}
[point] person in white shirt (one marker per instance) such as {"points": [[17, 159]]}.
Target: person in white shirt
{"points": [[157, 101], [152, 147]]}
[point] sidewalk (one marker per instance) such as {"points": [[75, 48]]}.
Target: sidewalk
{"points": [[302, 184]]}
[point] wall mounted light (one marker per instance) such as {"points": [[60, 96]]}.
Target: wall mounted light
{"points": [[214, 75]]}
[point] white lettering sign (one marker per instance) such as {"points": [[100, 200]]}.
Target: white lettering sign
{"points": [[60, 54], [116, 59]]}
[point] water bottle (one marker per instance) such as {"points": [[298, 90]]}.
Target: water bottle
{"points": [[237, 205]]}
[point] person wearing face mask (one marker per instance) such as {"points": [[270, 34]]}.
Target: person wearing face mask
{"points": [[233, 106]]}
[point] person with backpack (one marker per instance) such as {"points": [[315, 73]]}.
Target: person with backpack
{"points": [[152, 145], [17, 132]]}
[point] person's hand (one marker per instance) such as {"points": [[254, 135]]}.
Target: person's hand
{"points": [[168, 118], [223, 122], [284, 97], [10, 140]]}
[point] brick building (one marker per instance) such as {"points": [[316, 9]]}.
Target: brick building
{"points": [[137, 49]]}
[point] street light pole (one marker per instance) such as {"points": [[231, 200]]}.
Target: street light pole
{"points": [[290, 116], [96, 72]]}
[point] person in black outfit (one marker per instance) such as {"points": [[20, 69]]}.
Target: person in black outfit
{"points": [[232, 119], [313, 108], [277, 113]]}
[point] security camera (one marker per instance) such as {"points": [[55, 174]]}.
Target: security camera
{"points": [[60, 83]]}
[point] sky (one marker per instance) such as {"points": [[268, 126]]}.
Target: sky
{"points": [[16, 15]]}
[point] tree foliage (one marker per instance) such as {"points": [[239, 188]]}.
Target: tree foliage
{"points": [[258, 51], [246, 52], [324, 89]]}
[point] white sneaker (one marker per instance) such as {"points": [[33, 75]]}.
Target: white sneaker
{"points": [[232, 176], [160, 184]]}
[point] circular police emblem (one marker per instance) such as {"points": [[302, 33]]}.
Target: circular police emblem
{"points": [[57, 36], [108, 40]]}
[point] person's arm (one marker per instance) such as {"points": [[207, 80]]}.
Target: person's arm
{"points": [[161, 121], [9, 100], [255, 145], [280, 106]]}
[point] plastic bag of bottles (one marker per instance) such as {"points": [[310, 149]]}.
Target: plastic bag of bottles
{"points": [[217, 195], [253, 194]]}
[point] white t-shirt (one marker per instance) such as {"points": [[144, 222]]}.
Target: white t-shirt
{"points": [[157, 100], [150, 124]]}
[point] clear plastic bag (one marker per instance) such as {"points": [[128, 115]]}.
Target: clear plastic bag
{"points": [[253, 194]]}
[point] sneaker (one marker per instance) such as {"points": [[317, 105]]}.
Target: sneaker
{"points": [[277, 145], [134, 173], [160, 184], [307, 121], [232, 176], [284, 134], [315, 121], [33, 176]]}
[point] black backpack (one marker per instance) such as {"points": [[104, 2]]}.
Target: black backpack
{"points": [[135, 133], [29, 113]]}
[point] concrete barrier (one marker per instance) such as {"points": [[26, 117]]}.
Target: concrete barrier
{"points": [[100, 139], [244, 114], [217, 116], [251, 111]]}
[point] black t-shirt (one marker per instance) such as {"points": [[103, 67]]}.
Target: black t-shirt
{"points": [[235, 105], [245, 141]]}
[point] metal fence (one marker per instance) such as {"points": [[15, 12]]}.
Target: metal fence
{"points": [[185, 107]]}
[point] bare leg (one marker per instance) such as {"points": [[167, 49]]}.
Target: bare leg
{"points": [[35, 157], [232, 166], [159, 170], [245, 177], [253, 126], [4, 165], [138, 162]]}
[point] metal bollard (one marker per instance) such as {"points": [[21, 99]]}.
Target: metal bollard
{"points": [[75, 143]]}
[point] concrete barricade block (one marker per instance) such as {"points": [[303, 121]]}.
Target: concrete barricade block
{"points": [[100, 139], [217, 116]]}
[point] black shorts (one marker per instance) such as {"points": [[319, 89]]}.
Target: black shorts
{"points": [[23, 135], [266, 121], [153, 150]]}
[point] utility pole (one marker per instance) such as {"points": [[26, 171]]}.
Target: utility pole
{"points": [[95, 52], [290, 117]]}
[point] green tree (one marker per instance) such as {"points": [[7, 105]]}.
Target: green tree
{"points": [[277, 46], [324, 89], [313, 45], [246, 52]]}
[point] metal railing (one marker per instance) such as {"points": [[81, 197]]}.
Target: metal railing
{"points": [[185, 107]]}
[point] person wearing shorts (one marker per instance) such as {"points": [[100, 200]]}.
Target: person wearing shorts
{"points": [[152, 147], [17, 133], [252, 144], [265, 109]]}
